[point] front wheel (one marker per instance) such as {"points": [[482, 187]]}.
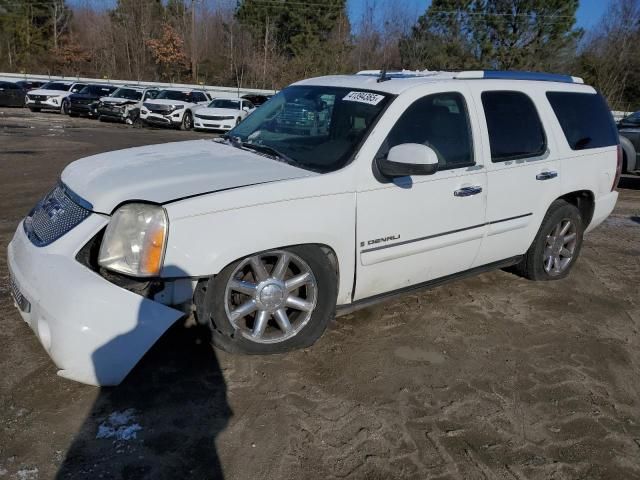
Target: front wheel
{"points": [[270, 302], [557, 244], [187, 121], [64, 108]]}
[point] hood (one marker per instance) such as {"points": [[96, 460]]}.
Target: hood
{"points": [[83, 96], [170, 171], [118, 100], [40, 91], [165, 101], [219, 111]]}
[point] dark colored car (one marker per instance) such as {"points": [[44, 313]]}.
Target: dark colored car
{"points": [[257, 100], [11, 95], [30, 84], [85, 102], [629, 130]]}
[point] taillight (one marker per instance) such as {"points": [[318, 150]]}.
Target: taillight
{"points": [[618, 169]]}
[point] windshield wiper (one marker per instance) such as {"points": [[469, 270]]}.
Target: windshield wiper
{"points": [[270, 151]]}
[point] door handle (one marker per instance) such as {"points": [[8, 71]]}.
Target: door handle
{"points": [[546, 175], [468, 191]]}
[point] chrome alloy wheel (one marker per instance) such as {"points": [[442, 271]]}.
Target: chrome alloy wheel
{"points": [[271, 296], [560, 247]]}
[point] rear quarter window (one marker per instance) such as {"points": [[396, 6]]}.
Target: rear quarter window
{"points": [[585, 119]]}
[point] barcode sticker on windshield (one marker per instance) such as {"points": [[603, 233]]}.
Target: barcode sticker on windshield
{"points": [[363, 97]]}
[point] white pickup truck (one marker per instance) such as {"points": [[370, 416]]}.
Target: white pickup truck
{"points": [[337, 193]]}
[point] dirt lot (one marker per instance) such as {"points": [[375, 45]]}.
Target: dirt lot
{"points": [[492, 377]]}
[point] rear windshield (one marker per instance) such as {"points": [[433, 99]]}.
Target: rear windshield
{"points": [[128, 93], [101, 90], [585, 119], [175, 95], [221, 103], [57, 86]]}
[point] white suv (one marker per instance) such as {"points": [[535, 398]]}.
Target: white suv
{"points": [[174, 107], [52, 96], [337, 193]]}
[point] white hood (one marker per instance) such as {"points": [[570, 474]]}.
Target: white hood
{"points": [[161, 173], [165, 101], [229, 112], [53, 93]]}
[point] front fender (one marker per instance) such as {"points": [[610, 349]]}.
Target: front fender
{"points": [[202, 245]]}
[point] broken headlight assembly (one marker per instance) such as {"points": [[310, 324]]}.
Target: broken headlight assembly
{"points": [[135, 240]]}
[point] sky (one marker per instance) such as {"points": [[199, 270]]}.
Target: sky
{"points": [[589, 11]]}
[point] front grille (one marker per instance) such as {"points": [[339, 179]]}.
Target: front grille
{"points": [[55, 215], [81, 101], [41, 98], [155, 108], [213, 117]]}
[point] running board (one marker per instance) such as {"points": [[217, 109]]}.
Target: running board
{"points": [[371, 301]]}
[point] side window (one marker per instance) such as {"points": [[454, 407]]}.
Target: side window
{"points": [[585, 119], [439, 121], [515, 130], [248, 104], [151, 94]]}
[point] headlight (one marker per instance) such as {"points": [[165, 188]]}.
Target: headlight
{"points": [[135, 240], [177, 107]]}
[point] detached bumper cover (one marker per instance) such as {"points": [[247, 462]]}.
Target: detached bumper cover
{"points": [[94, 331]]}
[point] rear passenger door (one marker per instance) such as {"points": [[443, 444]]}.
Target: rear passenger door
{"points": [[523, 168]]}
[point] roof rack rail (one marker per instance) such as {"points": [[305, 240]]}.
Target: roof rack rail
{"points": [[518, 75], [473, 74]]}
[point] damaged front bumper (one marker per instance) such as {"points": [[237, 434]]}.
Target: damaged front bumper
{"points": [[93, 330]]}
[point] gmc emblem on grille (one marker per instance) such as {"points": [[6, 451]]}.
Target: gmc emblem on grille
{"points": [[53, 208]]}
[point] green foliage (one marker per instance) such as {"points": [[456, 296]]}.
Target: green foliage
{"points": [[492, 34]]}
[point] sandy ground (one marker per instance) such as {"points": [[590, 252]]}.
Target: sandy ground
{"points": [[492, 377]]}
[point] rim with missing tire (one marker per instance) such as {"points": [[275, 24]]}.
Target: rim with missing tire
{"points": [[560, 247], [271, 297]]}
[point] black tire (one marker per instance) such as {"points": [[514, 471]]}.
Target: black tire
{"points": [[238, 121], [34, 109], [187, 121], [532, 265], [101, 118], [210, 308], [64, 108]]}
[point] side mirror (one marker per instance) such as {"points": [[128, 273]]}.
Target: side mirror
{"points": [[409, 159]]}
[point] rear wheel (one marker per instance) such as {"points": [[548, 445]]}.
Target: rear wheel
{"points": [[557, 245], [270, 302]]}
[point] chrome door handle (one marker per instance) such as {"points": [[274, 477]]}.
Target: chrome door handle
{"points": [[468, 191], [546, 175]]}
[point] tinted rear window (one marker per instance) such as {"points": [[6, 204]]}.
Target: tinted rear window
{"points": [[585, 119], [515, 130]]}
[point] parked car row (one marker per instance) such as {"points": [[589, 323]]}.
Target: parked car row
{"points": [[184, 108]]}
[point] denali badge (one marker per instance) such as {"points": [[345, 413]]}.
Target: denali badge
{"points": [[380, 240]]}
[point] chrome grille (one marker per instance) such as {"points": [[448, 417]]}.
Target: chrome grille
{"points": [[42, 98], [53, 216]]}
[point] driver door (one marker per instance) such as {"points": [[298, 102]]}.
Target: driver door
{"points": [[414, 229]]}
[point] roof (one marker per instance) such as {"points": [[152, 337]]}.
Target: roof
{"points": [[398, 81]]}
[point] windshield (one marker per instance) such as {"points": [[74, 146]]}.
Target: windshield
{"points": [[57, 86], [99, 90], [633, 118], [175, 95], [127, 93], [222, 103], [319, 128]]}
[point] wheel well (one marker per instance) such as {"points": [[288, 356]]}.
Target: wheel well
{"points": [[625, 162], [584, 201]]}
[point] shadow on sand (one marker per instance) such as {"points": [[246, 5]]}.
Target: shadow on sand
{"points": [[162, 421]]}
